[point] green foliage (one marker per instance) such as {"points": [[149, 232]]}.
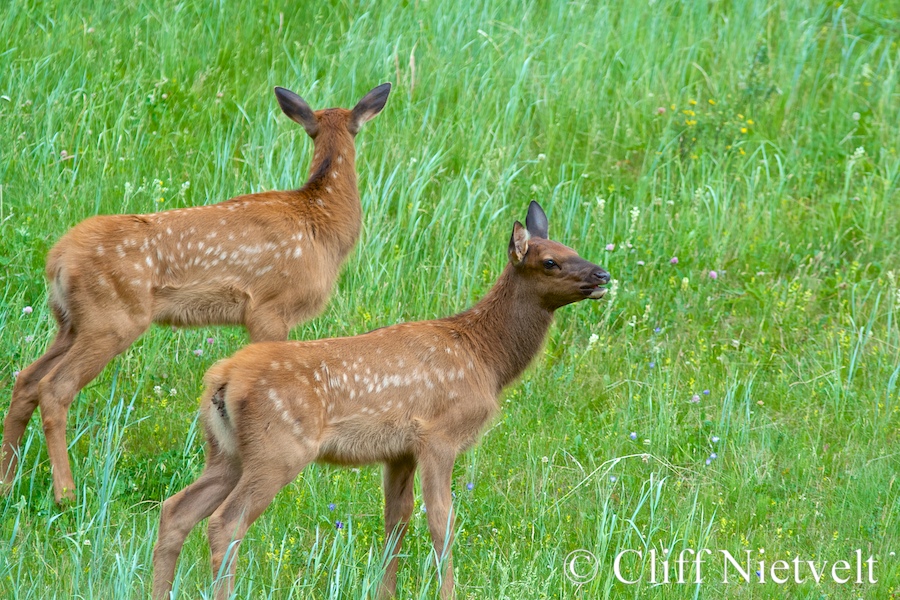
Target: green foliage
{"points": [[755, 139]]}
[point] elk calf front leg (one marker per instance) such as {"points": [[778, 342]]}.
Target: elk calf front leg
{"points": [[399, 477], [436, 471]]}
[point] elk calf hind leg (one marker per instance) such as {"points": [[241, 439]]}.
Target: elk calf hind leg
{"points": [[24, 401], [253, 493], [83, 362], [184, 510]]}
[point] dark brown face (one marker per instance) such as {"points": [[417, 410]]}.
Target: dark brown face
{"points": [[559, 275]]}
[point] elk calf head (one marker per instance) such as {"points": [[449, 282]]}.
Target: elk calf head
{"points": [[554, 273]]}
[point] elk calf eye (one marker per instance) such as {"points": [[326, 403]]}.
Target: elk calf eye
{"points": [[549, 263]]}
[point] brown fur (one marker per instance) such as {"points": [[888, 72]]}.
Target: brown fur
{"points": [[267, 261], [410, 395]]}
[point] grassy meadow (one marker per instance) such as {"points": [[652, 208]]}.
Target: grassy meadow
{"points": [[734, 164]]}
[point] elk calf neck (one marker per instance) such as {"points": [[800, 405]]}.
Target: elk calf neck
{"points": [[410, 396], [266, 261]]}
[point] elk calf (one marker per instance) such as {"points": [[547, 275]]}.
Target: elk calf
{"points": [[266, 261], [412, 395]]}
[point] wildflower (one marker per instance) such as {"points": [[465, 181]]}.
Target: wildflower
{"points": [[198, 352], [652, 364], [338, 524], [331, 506], [173, 391], [855, 116], [695, 399], [640, 263], [29, 338], [635, 214], [713, 275], [16, 374], [613, 478], [657, 330], [712, 102], [210, 340], [685, 283], [713, 456], [64, 155], [545, 459], [706, 392], [749, 121], [157, 389], [660, 110], [424, 509], [592, 340], [633, 436], [743, 130], [708, 461], [714, 439], [471, 486], [610, 247], [673, 260], [692, 102], [542, 157], [27, 310]]}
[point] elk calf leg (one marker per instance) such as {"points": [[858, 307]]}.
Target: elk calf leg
{"points": [[253, 493], [436, 472], [56, 391], [184, 510], [265, 326], [24, 400], [399, 477]]}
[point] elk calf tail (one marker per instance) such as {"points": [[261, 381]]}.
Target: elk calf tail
{"points": [[214, 408], [59, 288]]}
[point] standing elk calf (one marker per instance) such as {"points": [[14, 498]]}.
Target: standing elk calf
{"points": [[266, 261], [412, 395]]}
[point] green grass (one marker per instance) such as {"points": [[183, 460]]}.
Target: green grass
{"points": [[724, 133]]}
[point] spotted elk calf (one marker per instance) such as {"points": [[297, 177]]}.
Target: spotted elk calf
{"points": [[412, 395], [266, 261]]}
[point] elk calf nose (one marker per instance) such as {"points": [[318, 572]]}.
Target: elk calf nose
{"points": [[601, 276]]}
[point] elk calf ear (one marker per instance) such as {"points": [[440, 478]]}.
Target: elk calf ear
{"points": [[536, 221], [518, 244], [368, 107], [298, 110]]}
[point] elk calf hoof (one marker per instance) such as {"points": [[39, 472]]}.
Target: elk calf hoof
{"points": [[66, 499]]}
